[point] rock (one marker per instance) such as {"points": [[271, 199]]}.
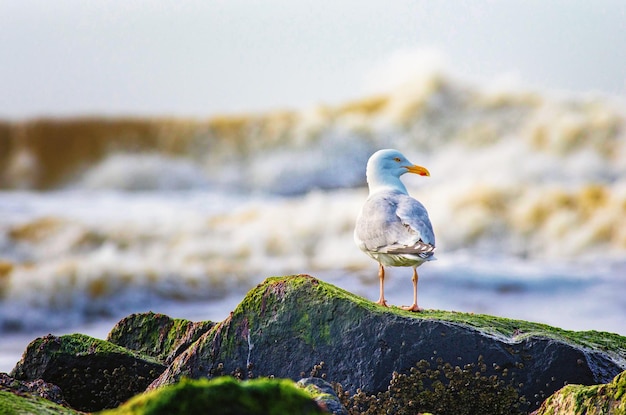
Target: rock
{"points": [[588, 400], [157, 335], [287, 325], [37, 387], [324, 395], [12, 403], [93, 374], [223, 396]]}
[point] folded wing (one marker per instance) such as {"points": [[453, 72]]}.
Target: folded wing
{"points": [[396, 224]]}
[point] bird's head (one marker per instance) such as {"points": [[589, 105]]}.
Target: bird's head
{"points": [[392, 162], [385, 167]]}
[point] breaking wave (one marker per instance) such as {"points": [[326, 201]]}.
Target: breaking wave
{"points": [[124, 212]]}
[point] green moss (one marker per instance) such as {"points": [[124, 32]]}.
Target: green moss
{"points": [[315, 392], [179, 326], [303, 311], [81, 345], [303, 328], [260, 300], [222, 396], [255, 314], [324, 334], [145, 327], [504, 328], [620, 385], [156, 335], [265, 299], [12, 404], [588, 400], [92, 373]]}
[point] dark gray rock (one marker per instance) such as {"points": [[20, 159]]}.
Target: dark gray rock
{"points": [[587, 400], [324, 395], [287, 325], [93, 374], [37, 387], [157, 335]]}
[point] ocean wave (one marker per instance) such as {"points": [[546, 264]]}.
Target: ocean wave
{"points": [[141, 211], [100, 256], [325, 147], [143, 172]]}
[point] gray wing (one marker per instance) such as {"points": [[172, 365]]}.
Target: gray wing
{"points": [[395, 223]]}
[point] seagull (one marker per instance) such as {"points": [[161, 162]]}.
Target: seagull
{"points": [[393, 228]]}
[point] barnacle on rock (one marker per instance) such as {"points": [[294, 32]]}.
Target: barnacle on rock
{"points": [[445, 389]]}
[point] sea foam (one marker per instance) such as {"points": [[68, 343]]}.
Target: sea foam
{"points": [[156, 211]]}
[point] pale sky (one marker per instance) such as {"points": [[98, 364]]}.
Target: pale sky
{"points": [[198, 58]]}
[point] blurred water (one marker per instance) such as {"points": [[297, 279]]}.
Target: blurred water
{"points": [[109, 254], [527, 196]]}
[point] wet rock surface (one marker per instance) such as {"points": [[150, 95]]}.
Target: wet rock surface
{"points": [[299, 327], [588, 400], [37, 387], [289, 324], [157, 335], [93, 374], [224, 396]]}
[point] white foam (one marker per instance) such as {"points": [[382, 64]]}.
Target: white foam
{"points": [[518, 181], [140, 172], [187, 251]]}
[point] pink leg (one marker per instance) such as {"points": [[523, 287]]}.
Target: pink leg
{"points": [[413, 307], [381, 277]]}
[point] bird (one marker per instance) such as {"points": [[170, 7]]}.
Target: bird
{"points": [[393, 228]]}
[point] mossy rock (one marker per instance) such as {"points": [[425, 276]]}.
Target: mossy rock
{"points": [[37, 387], [223, 396], [588, 400], [157, 335], [324, 394], [93, 374], [26, 404], [287, 325]]}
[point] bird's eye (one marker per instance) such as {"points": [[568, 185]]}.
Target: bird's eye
{"points": [[398, 159]]}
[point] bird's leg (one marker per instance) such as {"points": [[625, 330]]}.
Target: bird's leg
{"points": [[381, 278], [413, 307]]}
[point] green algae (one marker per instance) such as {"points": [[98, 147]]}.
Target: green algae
{"points": [[588, 400], [315, 392], [506, 329], [266, 299], [26, 404], [222, 396], [271, 297], [157, 335], [82, 345], [288, 323], [145, 331], [92, 373]]}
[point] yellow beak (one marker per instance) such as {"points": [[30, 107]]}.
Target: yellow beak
{"points": [[422, 171]]}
